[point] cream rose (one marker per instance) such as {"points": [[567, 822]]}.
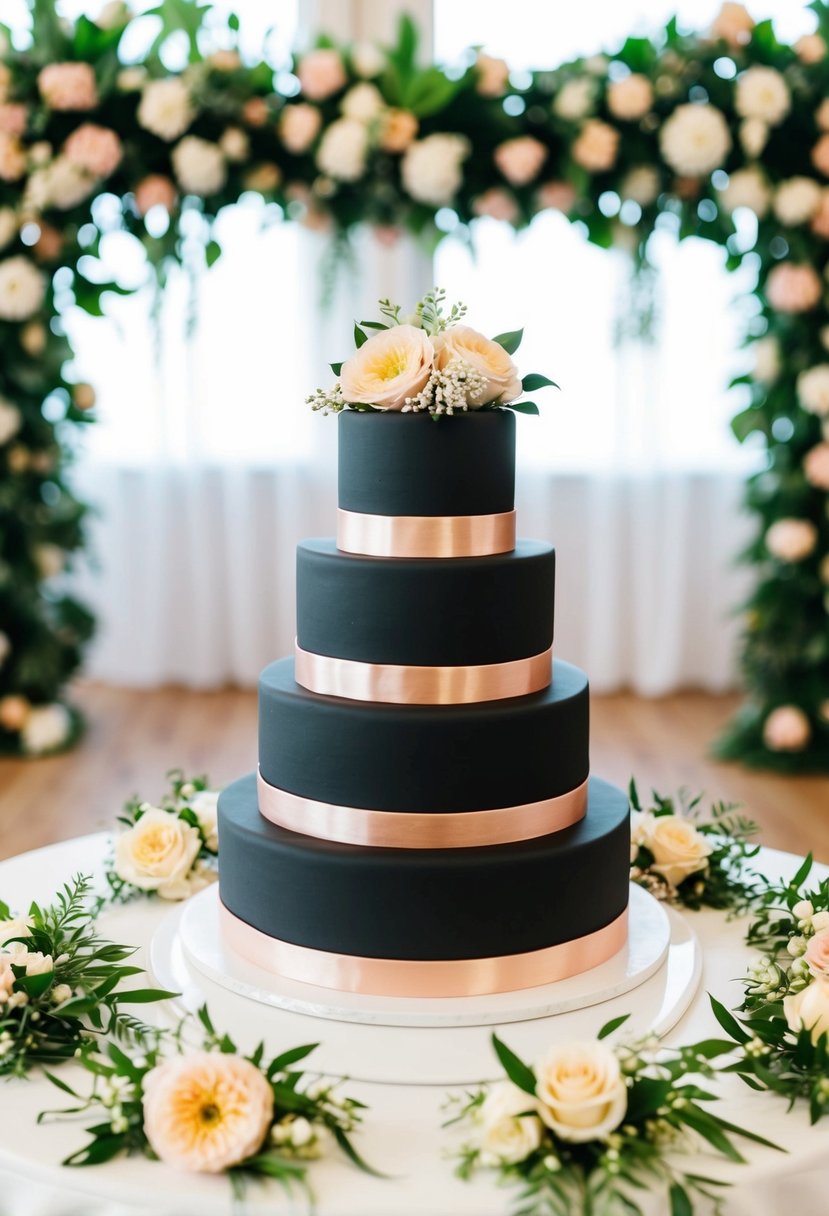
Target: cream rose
{"points": [[809, 1009], [678, 848], [158, 853], [207, 1111], [391, 366], [817, 954], [7, 978], [16, 927], [508, 1133], [484, 356], [205, 803], [581, 1091]]}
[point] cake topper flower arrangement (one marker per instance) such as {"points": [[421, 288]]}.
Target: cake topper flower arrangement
{"points": [[429, 362]]}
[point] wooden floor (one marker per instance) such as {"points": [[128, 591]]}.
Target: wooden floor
{"points": [[135, 737]]}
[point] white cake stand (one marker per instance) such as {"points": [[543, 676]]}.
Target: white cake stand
{"points": [[421, 1041]]}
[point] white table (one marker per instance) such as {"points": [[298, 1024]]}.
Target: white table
{"points": [[402, 1134]]}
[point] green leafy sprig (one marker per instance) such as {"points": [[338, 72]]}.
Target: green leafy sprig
{"points": [[62, 983], [667, 1114], [724, 878]]}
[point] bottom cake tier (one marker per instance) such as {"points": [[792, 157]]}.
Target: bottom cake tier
{"points": [[425, 922]]}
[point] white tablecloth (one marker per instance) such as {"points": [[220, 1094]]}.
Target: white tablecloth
{"points": [[402, 1134]]}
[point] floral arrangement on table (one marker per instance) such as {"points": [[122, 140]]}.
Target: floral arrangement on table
{"points": [[428, 362], [212, 1110], [171, 849], [61, 983], [590, 1124], [785, 1037], [679, 130], [681, 854]]}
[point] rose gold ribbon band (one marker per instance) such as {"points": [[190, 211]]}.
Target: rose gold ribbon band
{"points": [[420, 830], [423, 978], [401, 684], [425, 535]]}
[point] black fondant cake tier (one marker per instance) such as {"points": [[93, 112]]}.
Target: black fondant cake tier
{"points": [[425, 904], [408, 464], [424, 758], [425, 611]]}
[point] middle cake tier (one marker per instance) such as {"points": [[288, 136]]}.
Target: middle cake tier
{"points": [[424, 759]]}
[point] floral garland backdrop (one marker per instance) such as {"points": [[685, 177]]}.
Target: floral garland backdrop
{"points": [[681, 129]]}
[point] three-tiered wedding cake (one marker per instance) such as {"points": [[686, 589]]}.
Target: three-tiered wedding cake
{"points": [[423, 822]]}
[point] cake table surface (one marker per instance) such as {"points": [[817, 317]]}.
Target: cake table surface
{"points": [[402, 1134]]}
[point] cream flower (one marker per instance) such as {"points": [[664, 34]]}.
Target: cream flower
{"points": [[520, 159], [813, 390], [762, 93], [754, 135], [487, 358], [235, 144], [321, 73], [22, 288], [809, 1009], [15, 927], [205, 803], [37, 963], [791, 540], [367, 59], [581, 1091], [199, 166], [299, 126], [394, 364], [165, 108], [492, 75], [46, 728], [363, 102], [206, 1111], [678, 848], [575, 99], [343, 150], [786, 729], [508, 1133], [810, 48], [431, 168], [10, 421], [630, 98], [596, 146], [50, 560], [747, 188], [793, 287], [641, 184], [68, 86], [796, 200], [817, 953], [158, 853], [7, 978], [767, 361], [695, 139]]}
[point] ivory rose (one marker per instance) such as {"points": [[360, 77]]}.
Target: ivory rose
{"points": [[487, 358], [630, 98], [206, 1111], [22, 288], [7, 978], [391, 366], [47, 727], [520, 159], [581, 1091], [205, 803], [508, 1133], [678, 848], [786, 729], [431, 168], [762, 93], [165, 108], [14, 927], [158, 853], [321, 73], [809, 1009], [363, 102], [695, 139], [817, 953]]}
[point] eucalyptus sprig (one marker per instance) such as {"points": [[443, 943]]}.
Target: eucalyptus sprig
{"points": [[646, 1108], [62, 985], [701, 863], [303, 1110]]}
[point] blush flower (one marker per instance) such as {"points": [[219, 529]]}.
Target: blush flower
{"points": [[816, 466], [520, 159], [492, 75], [791, 540], [206, 1112], [95, 149], [68, 86], [817, 954], [488, 359], [299, 126], [786, 729], [321, 73], [630, 98], [596, 146], [393, 365], [155, 190], [793, 287]]}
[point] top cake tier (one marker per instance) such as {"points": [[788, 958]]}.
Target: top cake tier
{"points": [[396, 464]]}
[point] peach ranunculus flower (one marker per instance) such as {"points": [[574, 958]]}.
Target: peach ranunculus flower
{"points": [[394, 364], [786, 729], [630, 98], [321, 73], [817, 954], [299, 126], [793, 287], [207, 1111], [400, 128], [12, 158], [809, 1009], [94, 148], [13, 118], [155, 190], [158, 853], [520, 159], [68, 86], [820, 220], [820, 155], [502, 382], [816, 466], [581, 1091], [596, 146], [492, 75], [733, 24], [678, 848]]}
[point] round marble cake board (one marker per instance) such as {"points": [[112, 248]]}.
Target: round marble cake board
{"points": [[419, 1041]]}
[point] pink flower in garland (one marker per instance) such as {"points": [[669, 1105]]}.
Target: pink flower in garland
{"points": [[793, 288], [95, 149], [596, 147], [12, 158], [520, 159], [68, 86], [13, 118], [786, 729], [820, 155], [155, 190], [497, 204], [816, 466], [321, 73]]}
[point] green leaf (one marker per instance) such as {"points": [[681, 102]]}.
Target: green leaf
{"points": [[510, 340], [352, 1154], [359, 336], [535, 380], [523, 407], [612, 1025], [336, 368], [143, 996], [680, 1203], [518, 1072], [283, 1061], [803, 872], [710, 1129], [212, 252], [728, 1022]]}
